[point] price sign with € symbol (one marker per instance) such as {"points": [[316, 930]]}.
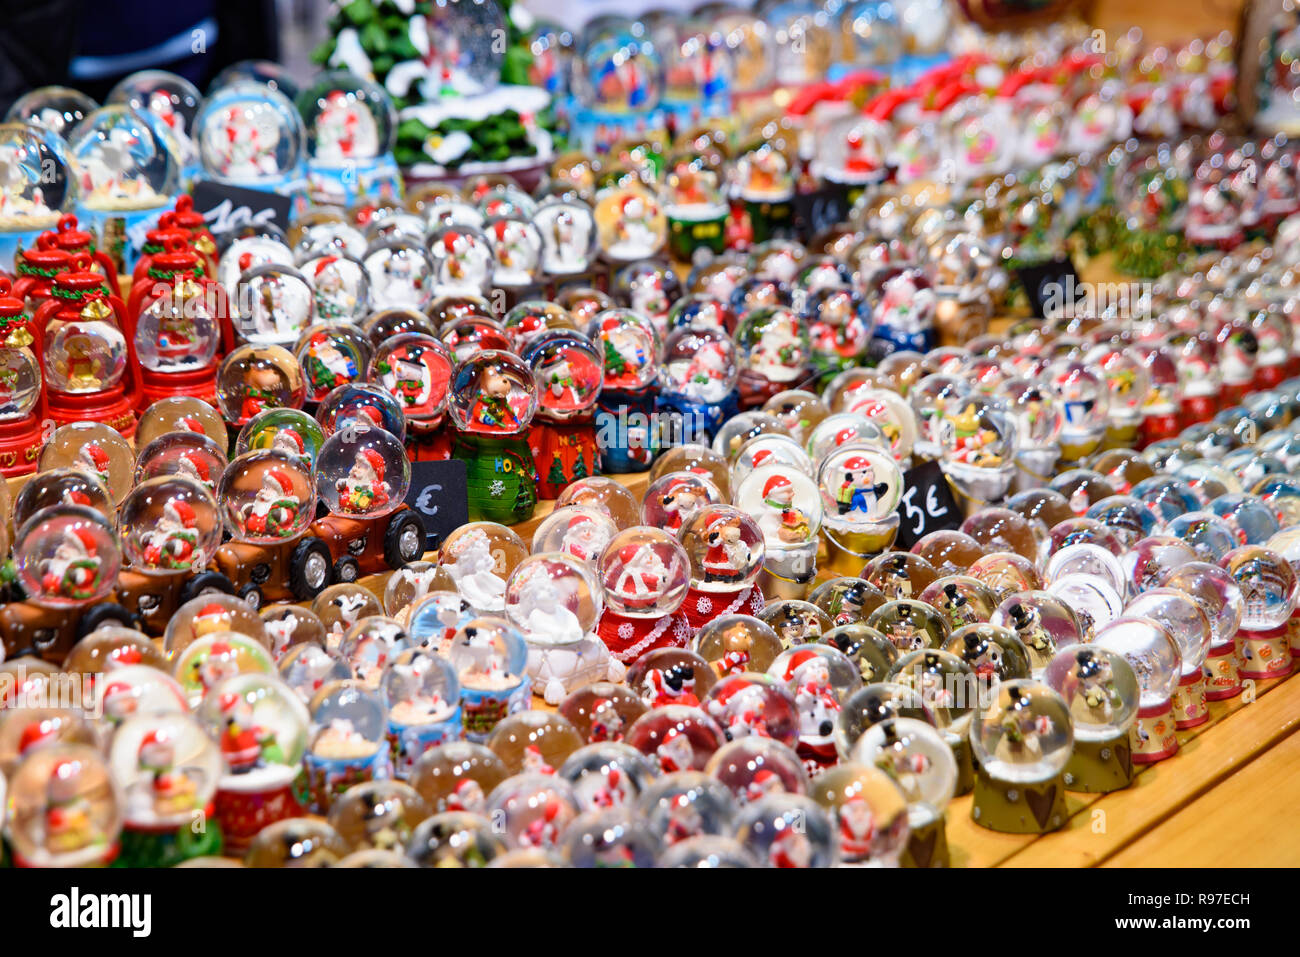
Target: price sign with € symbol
{"points": [[927, 505], [439, 493]]}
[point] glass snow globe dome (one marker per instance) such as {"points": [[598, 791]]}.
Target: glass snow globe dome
{"points": [[56, 108], [123, 160], [347, 118], [619, 70], [249, 135], [37, 185]]}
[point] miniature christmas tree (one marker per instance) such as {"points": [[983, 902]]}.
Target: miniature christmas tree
{"points": [[555, 475], [613, 360]]}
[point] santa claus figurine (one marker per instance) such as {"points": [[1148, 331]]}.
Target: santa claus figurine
{"points": [[364, 488], [245, 746], [274, 510], [468, 796], [193, 465], [783, 520], [808, 677], [326, 367], [170, 791], [92, 458], [641, 608], [606, 723], [672, 685], [675, 752], [857, 828], [170, 544], [74, 569], [68, 824], [722, 583]]}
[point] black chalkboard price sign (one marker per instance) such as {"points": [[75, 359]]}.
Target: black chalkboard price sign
{"points": [[439, 492], [927, 505]]}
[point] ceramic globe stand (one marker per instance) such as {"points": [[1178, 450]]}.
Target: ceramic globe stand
{"points": [[1034, 467], [1222, 677], [927, 846], [1152, 736], [1018, 807], [558, 670], [702, 607], [961, 752], [1189, 701], [1263, 653], [629, 638], [1098, 767]]}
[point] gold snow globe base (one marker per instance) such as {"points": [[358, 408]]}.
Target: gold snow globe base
{"points": [[1097, 767], [776, 587], [848, 552], [1018, 807], [965, 765], [927, 846]]}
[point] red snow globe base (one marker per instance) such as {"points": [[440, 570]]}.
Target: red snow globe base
{"points": [[1199, 408], [242, 814], [629, 638], [1157, 428], [20, 443], [702, 607], [197, 383], [563, 452], [111, 406]]}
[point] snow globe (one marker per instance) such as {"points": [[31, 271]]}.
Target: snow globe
{"points": [[687, 804], [402, 275], [788, 508], [167, 769], [378, 816], [860, 486], [978, 445], [59, 109], [644, 574], [1100, 689], [602, 711], [532, 810], [268, 497], [288, 626], [291, 432], [67, 557], [1267, 583], [479, 557], [423, 698], [774, 349], [251, 136], [797, 622], [750, 703], [331, 355], [369, 645], [350, 124], [604, 494], [818, 678], [204, 615], [698, 378], [630, 224], [534, 742], [787, 830], [457, 776], [1022, 741], [492, 399], [726, 550], [568, 371], [1190, 627], [128, 174], [1155, 659], [261, 728], [93, 449], [754, 767], [569, 236], [40, 188], [762, 180], [618, 81], [415, 369], [349, 743], [1084, 400], [553, 599], [296, 843], [1044, 624], [869, 812], [490, 656], [455, 839], [254, 378], [65, 809], [169, 525], [695, 206], [916, 758]]}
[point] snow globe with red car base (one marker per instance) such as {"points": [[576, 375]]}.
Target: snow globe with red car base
{"points": [[1100, 689], [568, 373], [348, 742], [555, 602], [1154, 657], [260, 726], [167, 769], [726, 550], [268, 499], [68, 561], [625, 430], [490, 657], [645, 574], [492, 399], [255, 378], [21, 387], [362, 474], [64, 810], [89, 363]]}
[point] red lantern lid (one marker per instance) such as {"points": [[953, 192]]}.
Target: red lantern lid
{"points": [[187, 217], [79, 280], [68, 236], [10, 307], [177, 256], [45, 256]]}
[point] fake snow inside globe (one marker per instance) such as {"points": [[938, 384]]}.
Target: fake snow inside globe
{"points": [[725, 547], [1025, 734], [65, 809], [578, 530], [420, 688], [67, 555], [1083, 399], [254, 378], [275, 305], [552, 598], [568, 371], [1150, 651], [39, 183], [208, 614], [415, 369], [1098, 686], [699, 365], [93, 448], [248, 135], [306, 668], [278, 722], [644, 573], [619, 71], [123, 160], [347, 119], [1267, 583], [534, 809], [87, 354], [676, 738], [363, 471], [176, 332], [169, 524], [59, 109], [917, 759], [489, 654], [167, 768], [493, 393], [291, 431], [267, 496]]}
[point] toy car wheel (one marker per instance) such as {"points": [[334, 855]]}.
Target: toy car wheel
{"points": [[309, 569], [206, 583], [109, 613], [404, 539], [346, 569], [252, 596]]}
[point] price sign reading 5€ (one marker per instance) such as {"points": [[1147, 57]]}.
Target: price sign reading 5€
{"points": [[927, 505], [439, 492]]}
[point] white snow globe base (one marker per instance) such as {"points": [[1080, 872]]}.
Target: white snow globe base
{"points": [[558, 670]]}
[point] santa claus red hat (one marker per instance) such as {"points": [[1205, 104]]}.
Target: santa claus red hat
{"points": [[191, 424], [96, 455], [292, 436], [774, 483], [324, 263], [181, 512], [761, 456], [198, 464], [277, 480], [81, 540], [499, 227], [245, 262], [75, 496], [373, 461], [797, 661], [845, 435], [154, 737], [212, 608], [627, 555], [449, 241], [228, 702], [35, 733]]}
